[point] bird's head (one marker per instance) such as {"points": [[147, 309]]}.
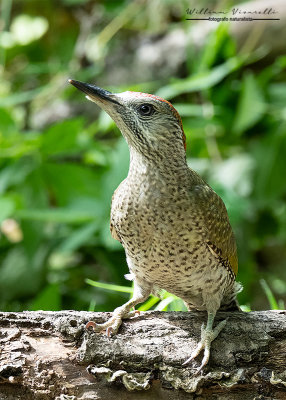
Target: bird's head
{"points": [[150, 124]]}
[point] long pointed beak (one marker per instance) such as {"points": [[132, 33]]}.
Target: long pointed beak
{"points": [[94, 93]]}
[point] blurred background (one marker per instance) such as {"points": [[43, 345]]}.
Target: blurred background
{"points": [[61, 158]]}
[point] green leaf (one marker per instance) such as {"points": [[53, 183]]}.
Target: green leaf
{"points": [[218, 41], [75, 184], [270, 296], [92, 305], [149, 303], [15, 173], [109, 286], [78, 237], [245, 307], [163, 305], [200, 81], [117, 171], [62, 137], [177, 305], [251, 105], [19, 98], [21, 275], [6, 208], [48, 299], [7, 123], [57, 215], [189, 110], [270, 159]]}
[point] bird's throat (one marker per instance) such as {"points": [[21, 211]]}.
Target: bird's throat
{"points": [[142, 168]]}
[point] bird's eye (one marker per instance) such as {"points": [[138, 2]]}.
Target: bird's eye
{"points": [[146, 109]]}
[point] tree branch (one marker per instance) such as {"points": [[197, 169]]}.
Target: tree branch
{"points": [[50, 355]]}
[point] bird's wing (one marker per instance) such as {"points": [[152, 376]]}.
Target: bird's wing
{"points": [[211, 220], [113, 230], [116, 197]]}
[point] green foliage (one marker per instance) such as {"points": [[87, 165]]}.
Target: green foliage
{"points": [[270, 297], [60, 160], [251, 94]]}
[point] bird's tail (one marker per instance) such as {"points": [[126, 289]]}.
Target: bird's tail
{"points": [[230, 303]]}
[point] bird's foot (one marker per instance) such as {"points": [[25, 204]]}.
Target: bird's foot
{"points": [[111, 326], [207, 336]]}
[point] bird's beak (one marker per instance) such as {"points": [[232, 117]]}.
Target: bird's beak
{"points": [[96, 94]]}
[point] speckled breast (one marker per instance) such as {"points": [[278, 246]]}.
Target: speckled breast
{"points": [[162, 245]]}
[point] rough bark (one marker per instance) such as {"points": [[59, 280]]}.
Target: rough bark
{"points": [[50, 355]]}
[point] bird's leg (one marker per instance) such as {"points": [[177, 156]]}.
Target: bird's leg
{"points": [[208, 334], [140, 294]]}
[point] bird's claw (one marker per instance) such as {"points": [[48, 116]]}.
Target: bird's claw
{"points": [[91, 324], [109, 331], [111, 326], [207, 336], [195, 353], [98, 328]]}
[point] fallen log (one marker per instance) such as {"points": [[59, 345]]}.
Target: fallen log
{"points": [[50, 355]]}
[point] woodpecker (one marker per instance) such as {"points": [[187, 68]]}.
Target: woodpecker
{"points": [[174, 228]]}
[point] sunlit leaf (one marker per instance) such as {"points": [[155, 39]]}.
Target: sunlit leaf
{"points": [[6, 208], [149, 303], [200, 81], [109, 286], [26, 29], [163, 304], [56, 215]]}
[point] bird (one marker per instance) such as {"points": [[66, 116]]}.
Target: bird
{"points": [[173, 226]]}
